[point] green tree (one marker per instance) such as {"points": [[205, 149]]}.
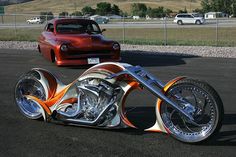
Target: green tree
{"points": [[88, 10], [46, 16], [139, 9], [206, 6], [234, 8], [103, 8], [225, 6], [122, 13], [156, 12], [197, 10], [76, 13], [115, 10], [63, 14], [168, 12], [183, 11]]}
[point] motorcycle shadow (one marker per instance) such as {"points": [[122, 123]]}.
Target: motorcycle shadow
{"points": [[227, 135], [144, 117]]}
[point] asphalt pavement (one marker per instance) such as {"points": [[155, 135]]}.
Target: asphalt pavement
{"points": [[20, 136]]}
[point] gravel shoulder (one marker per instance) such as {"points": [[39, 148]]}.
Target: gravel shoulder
{"points": [[202, 51]]}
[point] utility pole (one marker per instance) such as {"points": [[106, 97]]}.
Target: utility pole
{"points": [[16, 2]]}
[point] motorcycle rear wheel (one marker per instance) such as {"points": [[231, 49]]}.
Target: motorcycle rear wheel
{"points": [[206, 108]]}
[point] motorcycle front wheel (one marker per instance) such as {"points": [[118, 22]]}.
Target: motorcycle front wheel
{"points": [[202, 102]]}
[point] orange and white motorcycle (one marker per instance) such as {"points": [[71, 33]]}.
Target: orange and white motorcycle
{"points": [[190, 110]]}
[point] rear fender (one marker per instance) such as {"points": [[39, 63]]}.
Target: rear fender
{"points": [[52, 87]]}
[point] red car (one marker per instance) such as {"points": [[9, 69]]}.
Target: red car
{"points": [[76, 42]]}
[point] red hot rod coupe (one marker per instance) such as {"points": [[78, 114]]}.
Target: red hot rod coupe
{"points": [[76, 42]]}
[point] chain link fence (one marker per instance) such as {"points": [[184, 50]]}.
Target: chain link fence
{"points": [[215, 32]]}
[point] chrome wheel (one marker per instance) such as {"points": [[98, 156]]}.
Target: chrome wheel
{"points": [[28, 85], [201, 102]]}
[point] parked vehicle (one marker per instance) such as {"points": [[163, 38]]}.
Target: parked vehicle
{"points": [[101, 20], [35, 20], [187, 18], [76, 42], [190, 110]]}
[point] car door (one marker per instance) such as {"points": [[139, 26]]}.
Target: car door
{"points": [[184, 18], [189, 19]]}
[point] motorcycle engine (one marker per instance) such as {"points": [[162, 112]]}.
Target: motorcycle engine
{"points": [[96, 96]]}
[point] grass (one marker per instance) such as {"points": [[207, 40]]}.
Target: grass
{"points": [[151, 36], [19, 34], [57, 6], [175, 36]]}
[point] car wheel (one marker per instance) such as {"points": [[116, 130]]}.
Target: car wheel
{"points": [[198, 22], [180, 22]]}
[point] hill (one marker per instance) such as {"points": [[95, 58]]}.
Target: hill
{"points": [[57, 6]]}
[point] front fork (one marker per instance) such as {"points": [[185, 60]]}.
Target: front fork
{"points": [[155, 86]]}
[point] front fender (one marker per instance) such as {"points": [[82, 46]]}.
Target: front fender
{"points": [[159, 125]]}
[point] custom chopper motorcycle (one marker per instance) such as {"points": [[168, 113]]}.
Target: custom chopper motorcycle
{"points": [[189, 110]]}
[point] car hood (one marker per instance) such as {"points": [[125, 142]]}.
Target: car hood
{"points": [[84, 40]]}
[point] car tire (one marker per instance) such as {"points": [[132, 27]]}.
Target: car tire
{"points": [[198, 22], [180, 22]]}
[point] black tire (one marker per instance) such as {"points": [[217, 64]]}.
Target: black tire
{"points": [[209, 123], [180, 22], [198, 22]]}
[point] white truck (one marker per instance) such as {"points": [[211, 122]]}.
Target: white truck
{"points": [[34, 20]]}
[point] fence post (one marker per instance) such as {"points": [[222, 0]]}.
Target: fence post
{"points": [[217, 31], [2, 19], [123, 29], [15, 25], [165, 31]]}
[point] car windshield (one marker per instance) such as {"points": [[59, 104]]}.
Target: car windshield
{"points": [[78, 28]]}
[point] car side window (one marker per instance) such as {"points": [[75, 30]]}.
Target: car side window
{"points": [[50, 27], [95, 28], [90, 28], [189, 16]]}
